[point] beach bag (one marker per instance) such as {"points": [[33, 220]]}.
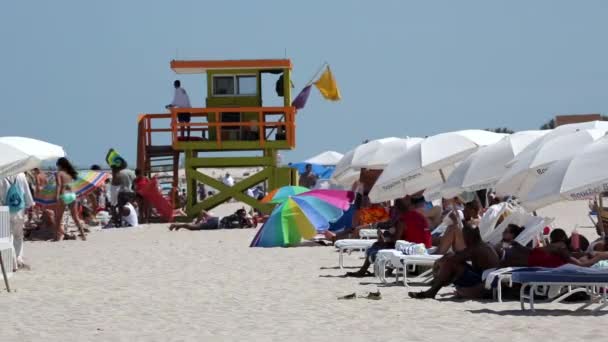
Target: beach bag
{"points": [[15, 199], [413, 249]]}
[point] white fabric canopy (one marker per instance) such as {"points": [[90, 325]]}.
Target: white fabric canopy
{"points": [[375, 154], [526, 168], [427, 164], [580, 177], [19, 154], [328, 158], [483, 169]]}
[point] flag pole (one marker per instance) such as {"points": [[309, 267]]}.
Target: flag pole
{"points": [[312, 79]]}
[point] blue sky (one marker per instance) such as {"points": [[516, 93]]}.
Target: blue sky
{"points": [[77, 73]]}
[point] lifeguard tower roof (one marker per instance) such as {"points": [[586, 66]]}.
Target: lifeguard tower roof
{"points": [[201, 66]]}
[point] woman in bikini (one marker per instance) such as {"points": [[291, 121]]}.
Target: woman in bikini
{"points": [[66, 197]]}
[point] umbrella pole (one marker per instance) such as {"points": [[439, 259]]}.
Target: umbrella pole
{"points": [[600, 221], [8, 288]]}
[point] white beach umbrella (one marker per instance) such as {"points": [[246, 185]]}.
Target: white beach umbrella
{"points": [[579, 177], [327, 158], [18, 154], [561, 131], [375, 154], [525, 169], [429, 163], [483, 169]]}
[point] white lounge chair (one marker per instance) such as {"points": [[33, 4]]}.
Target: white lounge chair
{"points": [[349, 245], [533, 227], [574, 278], [7, 253]]}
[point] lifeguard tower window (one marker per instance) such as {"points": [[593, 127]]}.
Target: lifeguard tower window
{"points": [[234, 85]]}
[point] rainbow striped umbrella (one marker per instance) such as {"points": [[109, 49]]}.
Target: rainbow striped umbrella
{"points": [[281, 194], [86, 182], [302, 216]]}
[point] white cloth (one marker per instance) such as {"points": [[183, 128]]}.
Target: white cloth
{"points": [[181, 99], [131, 219], [18, 218], [228, 181]]}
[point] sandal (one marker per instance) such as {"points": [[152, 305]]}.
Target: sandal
{"points": [[349, 296], [373, 295]]}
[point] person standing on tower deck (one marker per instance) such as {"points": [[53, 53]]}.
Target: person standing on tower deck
{"points": [[181, 100]]}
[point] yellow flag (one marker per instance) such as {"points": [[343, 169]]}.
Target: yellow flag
{"points": [[327, 86]]}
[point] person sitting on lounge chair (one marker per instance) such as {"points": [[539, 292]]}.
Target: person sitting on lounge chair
{"points": [[412, 227], [452, 238], [205, 221], [454, 268]]}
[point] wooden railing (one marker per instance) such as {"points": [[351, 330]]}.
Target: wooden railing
{"points": [[212, 123]]}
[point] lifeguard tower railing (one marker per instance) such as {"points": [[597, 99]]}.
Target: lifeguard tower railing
{"points": [[273, 128], [160, 137]]}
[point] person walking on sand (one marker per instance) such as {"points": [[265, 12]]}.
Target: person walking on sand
{"points": [[15, 193], [66, 198], [181, 100]]}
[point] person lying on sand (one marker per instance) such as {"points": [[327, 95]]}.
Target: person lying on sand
{"points": [[454, 268], [204, 221]]}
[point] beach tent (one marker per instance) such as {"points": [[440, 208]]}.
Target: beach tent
{"points": [[483, 169], [428, 163], [327, 158], [322, 171], [19, 154]]}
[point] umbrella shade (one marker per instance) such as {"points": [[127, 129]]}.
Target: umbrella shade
{"points": [[338, 198], [19, 154], [429, 163], [295, 219], [344, 173], [483, 169], [579, 177], [282, 194], [377, 154], [525, 169], [86, 182], [561, 131], [327, 158], [323, 172]]}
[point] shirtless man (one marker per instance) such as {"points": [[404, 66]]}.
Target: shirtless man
{"points": [[454, 268]]}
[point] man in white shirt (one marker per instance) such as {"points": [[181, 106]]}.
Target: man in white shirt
{"points": [[17, 218], [181, 100]]}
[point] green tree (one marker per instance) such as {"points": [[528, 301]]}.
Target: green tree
{"points": [[504, 130]]}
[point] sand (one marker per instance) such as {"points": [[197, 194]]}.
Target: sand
{"points": [[149, 284]]}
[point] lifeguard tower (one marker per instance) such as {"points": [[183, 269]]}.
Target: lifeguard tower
{"points": [[234, 120]]}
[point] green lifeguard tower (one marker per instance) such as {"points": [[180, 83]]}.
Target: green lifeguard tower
{"points": [[234, 120]]}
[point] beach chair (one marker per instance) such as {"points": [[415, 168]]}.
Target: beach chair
{"points": [[573, 278], [7, 252], [533, 228], [350, 245]]}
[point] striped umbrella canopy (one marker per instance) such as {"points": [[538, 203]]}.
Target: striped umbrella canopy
{"points": [[84, 184], [295, 219], [281, 194]]}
